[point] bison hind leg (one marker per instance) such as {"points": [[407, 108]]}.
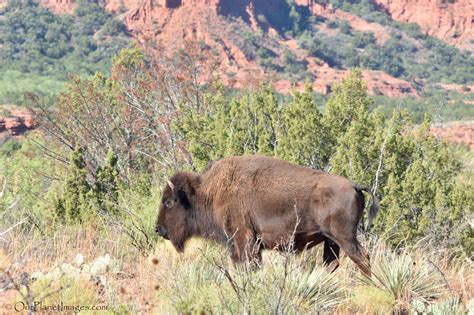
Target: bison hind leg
{"points": [[331, 254], [357, 254]]}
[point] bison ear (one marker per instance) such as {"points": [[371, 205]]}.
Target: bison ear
{"points": [[183, 199], [186, 187]]}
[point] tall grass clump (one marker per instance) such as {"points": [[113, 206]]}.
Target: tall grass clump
{"points": [[285, 285], [188, 283], [196, 289]]}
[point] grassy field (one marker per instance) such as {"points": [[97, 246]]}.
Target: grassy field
{"points": [[85, 267]]}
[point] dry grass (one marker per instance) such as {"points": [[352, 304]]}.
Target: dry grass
{"points": [[196, 282]]}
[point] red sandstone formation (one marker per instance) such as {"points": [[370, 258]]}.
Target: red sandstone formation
{"points": [[378, 82], [458, 133], [452, 21], [16, 122], [464, 89], [167, 23], [449, 20]]}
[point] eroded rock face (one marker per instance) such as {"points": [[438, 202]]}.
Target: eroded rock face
{"points": [[458, 133], [172, 22], [202, 19], [17, 122], [449, 20]]}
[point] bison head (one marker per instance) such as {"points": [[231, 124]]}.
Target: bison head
{"points": [[176, 213]]}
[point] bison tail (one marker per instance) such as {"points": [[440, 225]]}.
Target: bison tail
{"points": [[374, 207]]}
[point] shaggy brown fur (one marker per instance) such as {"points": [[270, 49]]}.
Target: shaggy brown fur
{"points": [[256, 202]]}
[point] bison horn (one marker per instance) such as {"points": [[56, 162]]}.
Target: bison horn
{"points": [[171, 185]]}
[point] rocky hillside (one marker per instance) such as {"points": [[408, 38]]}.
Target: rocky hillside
{"points": [[456, 132], [448, 20], [291, 42], [312, 41]]}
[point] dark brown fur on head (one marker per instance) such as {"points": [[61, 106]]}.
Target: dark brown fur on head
{"points": [[177, 209]]}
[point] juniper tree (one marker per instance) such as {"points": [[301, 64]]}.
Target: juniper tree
{"points": [[349, 101], [358, 149], [415, 175], [74, 204], [107, 185], [354, 135], [302, 136], [254, 123], [226, 126], [205, 129], [422, 196]]}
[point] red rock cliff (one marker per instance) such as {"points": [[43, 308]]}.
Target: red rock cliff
{"points": [[449, 20]]}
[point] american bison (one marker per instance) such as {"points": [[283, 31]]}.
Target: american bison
{"points": [[252, 203]]}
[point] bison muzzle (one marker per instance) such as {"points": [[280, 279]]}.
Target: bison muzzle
{"points": [[251, 203]]}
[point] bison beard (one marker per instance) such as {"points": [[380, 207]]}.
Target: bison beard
{"points": [[251, 203]]}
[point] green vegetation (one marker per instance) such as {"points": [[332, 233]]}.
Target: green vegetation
{"points": [[40, 50], [80, 199], [14, 85], [442, 106]]}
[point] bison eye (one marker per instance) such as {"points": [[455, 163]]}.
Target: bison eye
{"points": [[169, 203]]}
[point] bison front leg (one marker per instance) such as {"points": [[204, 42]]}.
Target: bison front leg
{"points": [[246, 248]]}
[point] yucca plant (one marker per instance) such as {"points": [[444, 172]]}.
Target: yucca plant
{"points": [[318, 289], [397, 280]]}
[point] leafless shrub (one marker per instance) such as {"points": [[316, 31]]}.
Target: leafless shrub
{"points": [[131, 113]]}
